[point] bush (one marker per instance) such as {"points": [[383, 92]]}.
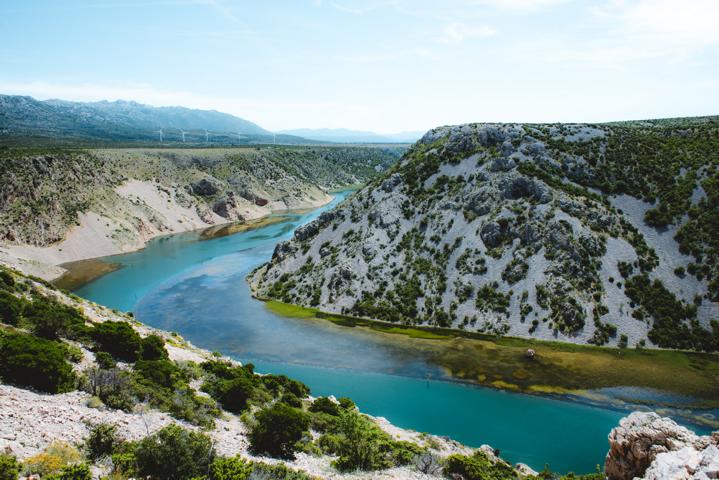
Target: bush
{"points": [[102, 441], [11, 308], [325, 405], [158, 372], [153, 348], [119, 339], [33, 362], [277, 430], [234, 468], [262, 471], [174, 453], [51, 461], [112, 386], [79, 471], [9, 467], [478, 467], [51, 319], [234, 394], [105, 361]]}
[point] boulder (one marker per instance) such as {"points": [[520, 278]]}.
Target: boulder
{"points": [[648, 446], [519, 186], [228, 207], [204, 188], [392, 182], [481, 201], [491, 234]]}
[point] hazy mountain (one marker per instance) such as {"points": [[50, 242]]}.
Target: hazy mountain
{"points": [[343, 135], [123, 121]]}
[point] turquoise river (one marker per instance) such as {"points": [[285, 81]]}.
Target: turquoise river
{"points": [[197, 288]]}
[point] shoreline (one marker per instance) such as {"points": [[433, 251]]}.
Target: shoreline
{"points": [[504, 367], [54, 271]]}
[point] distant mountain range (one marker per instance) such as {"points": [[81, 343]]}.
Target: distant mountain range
{"points": [[343, 135], [25, 120]]}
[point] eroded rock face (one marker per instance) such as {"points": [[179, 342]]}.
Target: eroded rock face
{"points": [[648, 446], [229, 208], [204, 188]]}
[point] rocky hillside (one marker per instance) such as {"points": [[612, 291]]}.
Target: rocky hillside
{"points": [[605, 234], [63, 205]]}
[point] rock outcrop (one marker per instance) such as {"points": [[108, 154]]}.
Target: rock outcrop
{"points": [[648, 446]]}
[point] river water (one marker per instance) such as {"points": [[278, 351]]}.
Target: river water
{"points": [[197, 288]]}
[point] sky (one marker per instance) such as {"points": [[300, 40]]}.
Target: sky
{"points": [[379, 65]]}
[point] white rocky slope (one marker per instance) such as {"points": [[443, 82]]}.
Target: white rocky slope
{"points": [[470, 232], [647, 446]]}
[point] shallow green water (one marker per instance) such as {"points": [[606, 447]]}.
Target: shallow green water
{"points": [[197, 289]]}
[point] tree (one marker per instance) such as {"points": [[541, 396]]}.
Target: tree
{"points": [[174, 453], [277, 430]]}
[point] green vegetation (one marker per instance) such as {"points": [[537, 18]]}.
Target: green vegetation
{"points": [[558, 367], [174, 453], [277, 430], [9, 467], [29, 361], [478, 467]]}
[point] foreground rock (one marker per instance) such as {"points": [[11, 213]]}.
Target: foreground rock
{"points": [[648, 446]]}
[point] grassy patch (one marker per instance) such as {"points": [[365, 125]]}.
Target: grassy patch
{"points": [[557, 368]]}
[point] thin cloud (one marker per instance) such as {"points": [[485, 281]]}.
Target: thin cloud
{"points": [[458, 32]]}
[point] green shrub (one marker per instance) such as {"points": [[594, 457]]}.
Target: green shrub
{"points": [[264, 471], [105, 361], [234, 394], [174, 453], [153, 348], [11, 308], [102, 441], [119, 339], [234, 468], [77, 471], [158, 372], [29, 361], [325, 405], [477, 467], [50, 319], [277, 430], [9, 467], [362, 444]]}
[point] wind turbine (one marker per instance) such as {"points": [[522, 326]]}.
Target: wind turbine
{"points": [[160, 132], [183, 135], [274, 138], [239, 137], [207, 136]]}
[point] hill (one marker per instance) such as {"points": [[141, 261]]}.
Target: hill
{"points": [[603, 234], [69, 204], [24, 120]]}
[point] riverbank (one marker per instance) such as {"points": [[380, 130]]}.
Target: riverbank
{"points": [[557, 368], [73, 262]]}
